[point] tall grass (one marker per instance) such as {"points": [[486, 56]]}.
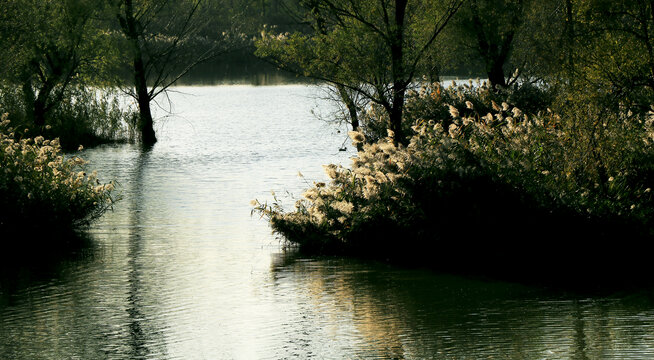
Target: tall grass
{"points": [[42, 189], [84, 116], [483, 179]]}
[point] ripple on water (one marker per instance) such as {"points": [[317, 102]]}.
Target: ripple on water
{"points": [[180, 270]]}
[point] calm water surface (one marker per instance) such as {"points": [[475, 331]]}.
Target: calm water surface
{"points": [[181, 271]]}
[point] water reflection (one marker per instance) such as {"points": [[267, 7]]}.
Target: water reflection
{"points": [[180, 271], [34, 266], [137, 319], [413, 314], [241, 69]]}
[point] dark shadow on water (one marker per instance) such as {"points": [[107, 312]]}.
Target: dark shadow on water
{"points": [[38, 258], [239, 68], [417, 313], [141, 331]]}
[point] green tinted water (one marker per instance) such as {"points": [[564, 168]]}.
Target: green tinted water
{"points": [[181, 271]]}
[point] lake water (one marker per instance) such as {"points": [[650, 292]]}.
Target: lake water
{"points": [[180, 270]]}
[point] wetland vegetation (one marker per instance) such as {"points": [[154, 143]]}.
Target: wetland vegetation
{"points": [[539, 172], [554, 144]]}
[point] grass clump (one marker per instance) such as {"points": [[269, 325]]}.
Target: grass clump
{"points": [[432, 101], [42, 190], [83, 116], [483, 180]]}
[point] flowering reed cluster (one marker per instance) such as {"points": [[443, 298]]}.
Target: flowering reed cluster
{"points": [[480, 164], [42, 188]]}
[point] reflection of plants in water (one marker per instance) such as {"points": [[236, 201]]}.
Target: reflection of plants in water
{"points": [[98, 296], [345, 290], [19, 272], [419, 314]]}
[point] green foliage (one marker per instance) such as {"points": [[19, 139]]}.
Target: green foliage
{"points": [[612, 52], [432, 101], [53, 41], [42, 189], [372, 48], [54, 50], [83, 117]]}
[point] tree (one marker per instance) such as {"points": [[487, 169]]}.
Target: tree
{"points": [[490, 28], [49, 46], [163, 46], [616, 48], [370, 48]]}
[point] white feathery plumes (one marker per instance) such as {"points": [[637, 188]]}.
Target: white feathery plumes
{"points": [[454, 131], [453, 111], [356, 136]]}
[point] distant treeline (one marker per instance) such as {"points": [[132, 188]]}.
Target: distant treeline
{"points": [[372, 52]]}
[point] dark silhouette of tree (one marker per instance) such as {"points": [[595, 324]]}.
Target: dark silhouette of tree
{"points": [[47, 48], [370, 48], [163, 44]]}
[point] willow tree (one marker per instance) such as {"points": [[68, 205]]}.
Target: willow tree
{"points": [[162, 46], [373, 49]]}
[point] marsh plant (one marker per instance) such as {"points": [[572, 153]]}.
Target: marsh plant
{"points": [[431, 101], [41, 188], [82, 116], [485, 176]]}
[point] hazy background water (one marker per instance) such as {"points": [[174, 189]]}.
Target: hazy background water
{"points": [[181, 271]]}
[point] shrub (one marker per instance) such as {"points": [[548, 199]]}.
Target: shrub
{"points": [[83, 117], [40, 188], [493, 181], [432, 101], [91, 118]]}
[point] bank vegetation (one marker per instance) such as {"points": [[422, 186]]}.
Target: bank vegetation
{"points": [[541, 163]]}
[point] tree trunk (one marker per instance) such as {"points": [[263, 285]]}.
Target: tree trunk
{"points": [[495, 71], [29, 98], [396, 118], [352, 110], [398, 72], [36, 105], [351, 106], [130, 27], [146, 125], [39, 112], [41, 103]]}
